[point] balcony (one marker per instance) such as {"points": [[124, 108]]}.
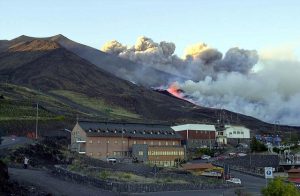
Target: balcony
{"points": [[79, 140]]}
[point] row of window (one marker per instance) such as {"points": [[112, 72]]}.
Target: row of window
{"points": [[205, 132], [115, 153], [236, 132], [107, 142], [135, 142], [164, 153]]}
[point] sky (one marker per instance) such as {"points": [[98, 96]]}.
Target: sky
{"points": [[255, 24], [271, 27]]}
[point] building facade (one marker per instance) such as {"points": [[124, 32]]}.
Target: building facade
{"points": [[118, 140], [236, 134], [197, 135]]}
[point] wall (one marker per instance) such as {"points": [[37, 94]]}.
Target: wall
{"points": [[78, 134], [106, 147], [165, 156], [135, 187], [237, 132], [103, 147]]}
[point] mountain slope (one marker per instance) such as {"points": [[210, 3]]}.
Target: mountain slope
{"points": [[122, 68], [49, 67]]}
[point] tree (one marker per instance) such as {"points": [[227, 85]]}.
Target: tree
{"points": [[277, 187], [257, 146]]}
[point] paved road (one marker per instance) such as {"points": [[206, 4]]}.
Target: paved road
{"points": [[11, 141], [53, 185], [252, 184], [218, 192], [57, 186]]}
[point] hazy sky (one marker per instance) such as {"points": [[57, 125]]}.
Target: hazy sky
{"points": [[254, 24]]}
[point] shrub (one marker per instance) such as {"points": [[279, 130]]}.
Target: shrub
{"points": [[277, 187], [104, 175]]}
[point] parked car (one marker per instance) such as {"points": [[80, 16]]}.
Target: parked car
{"points": [[205, 157], [232, 154], [241, 154], [234, 180], [111, 160]]}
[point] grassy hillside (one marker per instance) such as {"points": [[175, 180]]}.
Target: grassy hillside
{"points": [[98, 104], [58, 109]]}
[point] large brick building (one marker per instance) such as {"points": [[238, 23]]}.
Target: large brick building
{"points": [[157, 144], [197, 135]]}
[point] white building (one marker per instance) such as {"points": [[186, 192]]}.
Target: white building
{"points": [[237, 132]]}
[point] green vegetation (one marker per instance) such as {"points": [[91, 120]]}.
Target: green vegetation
{"points": [[277, 187], [10, 110], [257, 146], [96, 104], [104, 175]]}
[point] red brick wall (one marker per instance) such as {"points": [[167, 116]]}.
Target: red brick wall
{"points": [[198, 134]]}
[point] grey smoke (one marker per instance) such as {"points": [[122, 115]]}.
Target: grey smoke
{"points": [[225, 81], [200, 60], [271, 94]]}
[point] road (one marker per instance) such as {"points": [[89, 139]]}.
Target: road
{"points": [[56, 186], [252, 184], [11, 141], [53, 185]]}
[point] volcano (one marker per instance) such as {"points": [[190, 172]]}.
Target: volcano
{"points": [[90, 81]]}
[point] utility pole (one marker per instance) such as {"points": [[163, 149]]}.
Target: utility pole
{"points": [[37, 120], [122, 140]]}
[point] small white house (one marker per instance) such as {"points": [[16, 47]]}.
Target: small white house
{"points": [[236, 132]]}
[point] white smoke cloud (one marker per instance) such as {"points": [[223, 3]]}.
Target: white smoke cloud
{"points": [[265, 86], [113, 47], [199, 61], [271, 94]]}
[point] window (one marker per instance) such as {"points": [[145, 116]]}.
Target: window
{"points": [[107, 141], [98, 141], [141, 153], [123, 142], [116, 142], [145, 142], [234, 132], [167, 143], [91, 141], [134, 142], [151, 142], [159, 143], [91, 154], [173, 143]]}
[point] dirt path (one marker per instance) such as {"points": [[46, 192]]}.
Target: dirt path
{"points": [[53, 185]]}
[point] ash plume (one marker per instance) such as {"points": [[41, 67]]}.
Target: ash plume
{"points": [[230, 81], [200, 60]]}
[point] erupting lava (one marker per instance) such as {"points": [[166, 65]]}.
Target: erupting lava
{"points": [[175, 90]]}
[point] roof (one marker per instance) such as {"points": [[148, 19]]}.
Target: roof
{"points": [[194, 166], [196, 127], [294, 170], [136, 130], [235, 127]]}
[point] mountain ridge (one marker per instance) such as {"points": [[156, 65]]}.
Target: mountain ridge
{"points": [[61, 71]]}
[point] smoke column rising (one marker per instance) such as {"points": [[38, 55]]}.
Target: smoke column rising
{"points": [[271, 93]]}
